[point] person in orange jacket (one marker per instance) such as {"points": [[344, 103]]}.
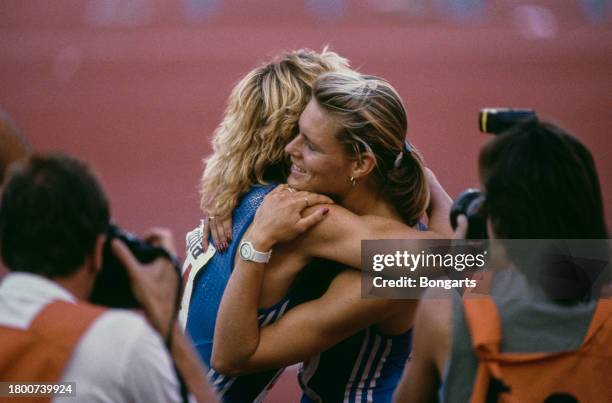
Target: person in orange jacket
{"points": [[53, 221]]}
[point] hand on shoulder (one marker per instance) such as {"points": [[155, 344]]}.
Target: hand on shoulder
{"points": [[281, 216]]}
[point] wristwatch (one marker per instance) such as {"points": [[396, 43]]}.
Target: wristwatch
{"points": [[248, 252]]}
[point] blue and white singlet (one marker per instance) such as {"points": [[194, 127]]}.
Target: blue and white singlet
{"points": [[206, 288], [366, 367]]}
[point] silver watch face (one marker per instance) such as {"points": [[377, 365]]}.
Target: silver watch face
{"points": [[245, 251]]}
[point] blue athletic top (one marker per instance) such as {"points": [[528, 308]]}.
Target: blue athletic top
{"points": [[366, 367], [208, 287]]}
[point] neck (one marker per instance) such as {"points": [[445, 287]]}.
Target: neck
{"points": [[78, 284], [366, 199]]}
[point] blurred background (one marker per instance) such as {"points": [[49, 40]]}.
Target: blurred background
{"points": [[136, 87]]}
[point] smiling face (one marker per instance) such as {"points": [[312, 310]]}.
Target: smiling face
{"points": [[319, 162]]}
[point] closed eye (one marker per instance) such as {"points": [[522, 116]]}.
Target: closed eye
{"points": [[310, 146], [308, 143]]}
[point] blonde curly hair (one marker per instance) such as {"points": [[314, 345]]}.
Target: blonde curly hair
{"points": [[261, 117]]}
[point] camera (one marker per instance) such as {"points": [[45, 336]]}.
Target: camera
{"points": [[471, 202], [112, 287], [498, 120]]}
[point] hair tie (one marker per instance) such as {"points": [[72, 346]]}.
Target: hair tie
{"points": [[371, 85], [408, 149]]}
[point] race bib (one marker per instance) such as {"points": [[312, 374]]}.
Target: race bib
{"points": [[195, 261]]}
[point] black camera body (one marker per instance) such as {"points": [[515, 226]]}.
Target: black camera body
{"points": [[470, 203], [112, 287]]}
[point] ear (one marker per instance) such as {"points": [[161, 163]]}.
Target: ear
{"points": [[362, 168], [98, 252]]}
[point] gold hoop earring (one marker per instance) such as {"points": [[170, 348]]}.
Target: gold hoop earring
{"points": [[353, 181]]}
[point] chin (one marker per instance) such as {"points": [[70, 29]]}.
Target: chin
{"points": [[295, 183], [299, 186], [300, 183]]}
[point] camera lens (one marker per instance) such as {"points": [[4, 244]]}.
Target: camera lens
{"points": [[470, 203]]}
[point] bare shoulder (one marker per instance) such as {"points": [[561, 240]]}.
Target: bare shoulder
{"points": [[371, 226], [342, 223]]}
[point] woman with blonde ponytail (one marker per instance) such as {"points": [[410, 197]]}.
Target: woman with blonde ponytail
{"points": [[351, 147]]}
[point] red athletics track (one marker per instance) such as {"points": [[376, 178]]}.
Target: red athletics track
{"points": [[136, 89]]}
